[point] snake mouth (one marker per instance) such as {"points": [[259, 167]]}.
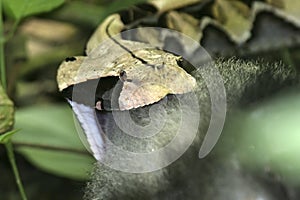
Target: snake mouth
{"points": [[81, 92]]}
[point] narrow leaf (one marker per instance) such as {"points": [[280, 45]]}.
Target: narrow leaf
{"points": [[23, 8], [49, 140], [5, 137]]}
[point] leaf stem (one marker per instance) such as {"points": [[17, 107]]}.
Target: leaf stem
{"points": [[8, 144], [11, 157], [2, 61]]}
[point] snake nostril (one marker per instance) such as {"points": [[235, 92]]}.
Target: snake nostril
{"points": [[123, 75]]}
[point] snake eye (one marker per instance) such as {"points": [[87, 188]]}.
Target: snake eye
{"points": [[70, 59], [122, 76]]}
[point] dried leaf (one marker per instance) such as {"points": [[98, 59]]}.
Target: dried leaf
{"points": [[276, 3], [115, 26], [265, 36], [214, 40], [234, 17], [292, 9], [232, 20], [165, 5], [184, 23], [287, 9]]}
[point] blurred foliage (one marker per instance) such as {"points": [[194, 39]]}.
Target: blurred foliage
{"points": [[267, 136], [47, 140], [263, 140], [20, 9], [33, 51]]}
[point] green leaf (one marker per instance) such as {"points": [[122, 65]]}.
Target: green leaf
{"points": [[6, 112], [5, 137], [49, 140], [70, 165], [76, 11], [23, 8]]}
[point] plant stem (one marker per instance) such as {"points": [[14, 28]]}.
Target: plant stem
{"points": [[11, 157], [2, 62], [8, 144]]}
